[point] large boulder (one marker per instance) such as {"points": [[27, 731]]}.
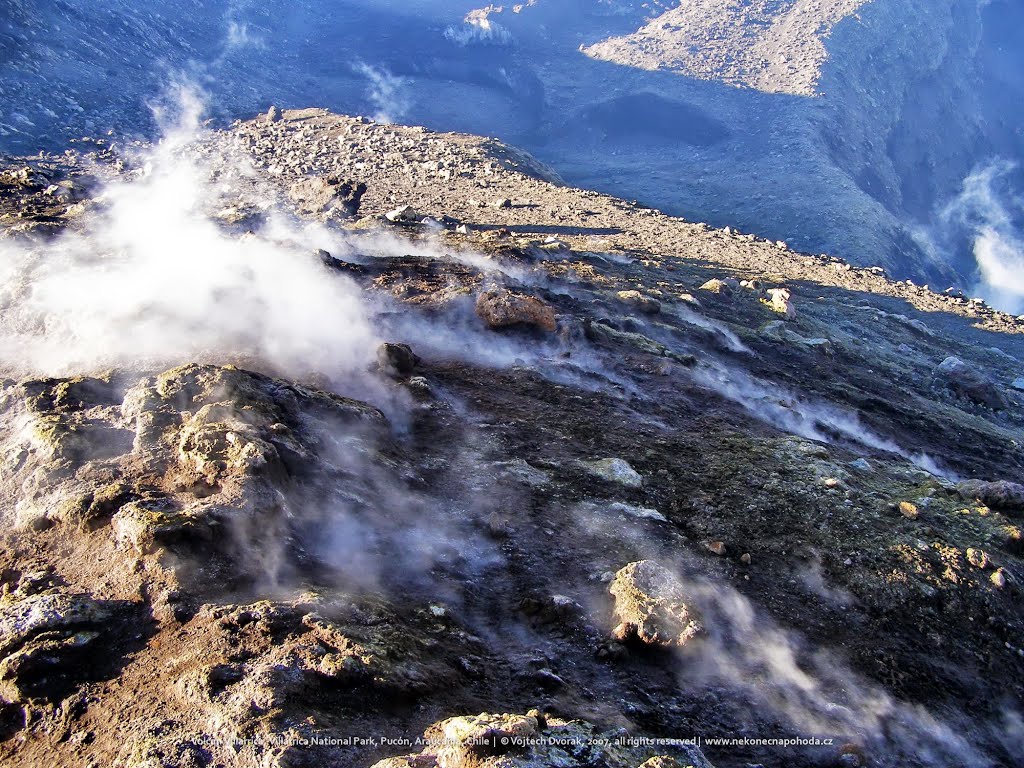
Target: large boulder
{"points": [[970, 383], [503, 309], [651, 606], [1001, 494]]}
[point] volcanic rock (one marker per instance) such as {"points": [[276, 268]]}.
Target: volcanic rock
{"points": [[503, 309], [44, 635], [405, 214], [397, 360], [651, 606], [967, 381], [642, 303], [1001, 494], [318, 195], [781, 302], [715, 285], [615, 471]]}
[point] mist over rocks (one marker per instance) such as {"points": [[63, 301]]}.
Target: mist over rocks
{"points": [[357, 510], [850, 122]]}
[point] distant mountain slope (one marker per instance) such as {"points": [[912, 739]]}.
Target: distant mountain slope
{"points": [[776, 46]]}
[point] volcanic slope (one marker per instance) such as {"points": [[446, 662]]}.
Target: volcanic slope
{"points": [[226, 557]]}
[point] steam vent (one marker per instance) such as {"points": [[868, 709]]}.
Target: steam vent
{"points": [[565, 384]]}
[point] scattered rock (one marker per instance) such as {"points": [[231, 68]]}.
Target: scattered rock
{"points": [[968, 382], [716, 547], [998, 578], [862, 465], [714, 285], [745, 558], [273, 114], [615, 471], [1018, 384], [651, 606], [520, 471], [502, 309]]}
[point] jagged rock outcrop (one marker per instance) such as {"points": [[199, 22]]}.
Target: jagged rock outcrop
{"points": [[46, 641]]}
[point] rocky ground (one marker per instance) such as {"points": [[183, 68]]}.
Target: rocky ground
{"points": [[614, 481]]}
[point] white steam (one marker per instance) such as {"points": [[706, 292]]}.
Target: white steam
{"points": [[989, 212], [814, 421], [241, 36], [151, 278], [387, 93], [812, 690]]}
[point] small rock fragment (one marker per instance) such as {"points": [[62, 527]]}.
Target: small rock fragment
{"points": [[977, 557], [717, 547], [908, 510]]}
